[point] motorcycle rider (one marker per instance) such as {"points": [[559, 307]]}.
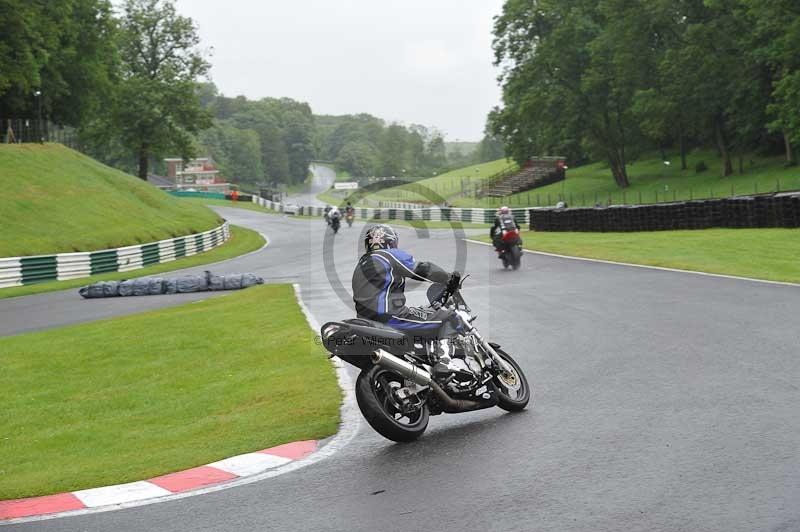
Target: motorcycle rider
{"points": [[327, 211], [379, 282], [504, 221], [334, 215]]}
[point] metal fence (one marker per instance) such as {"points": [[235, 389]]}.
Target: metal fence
{"points": [[33, 130]]}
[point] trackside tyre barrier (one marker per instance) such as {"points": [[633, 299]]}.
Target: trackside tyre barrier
{"points": [[772, 210], [428, 214], [17, 271]]}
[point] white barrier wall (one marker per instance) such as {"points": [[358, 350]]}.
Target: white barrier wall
{"points": [[16, 271]]}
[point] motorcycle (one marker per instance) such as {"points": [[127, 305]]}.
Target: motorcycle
{"points": [[509, 250], [349, 218], [335, 223], [405, 379]]}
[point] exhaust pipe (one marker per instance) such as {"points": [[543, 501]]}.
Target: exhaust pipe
{"points": [[398, 365], [423, 378]]}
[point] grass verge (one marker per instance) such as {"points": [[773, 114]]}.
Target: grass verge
{"points": [[135, 397], [242, 241], [769, 254]]}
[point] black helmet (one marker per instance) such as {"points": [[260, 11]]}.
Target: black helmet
{"points": [[380, 237]]}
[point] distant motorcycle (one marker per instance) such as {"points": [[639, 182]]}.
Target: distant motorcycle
{"points": [[349, 218], [404, 378], [335, 223], [509, 250]]}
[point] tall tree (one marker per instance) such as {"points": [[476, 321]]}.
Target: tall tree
{"points": [[64, 50], [236, 151], [564, 75], [393, 150], [359, 158], [157, 108], [775, 43]]}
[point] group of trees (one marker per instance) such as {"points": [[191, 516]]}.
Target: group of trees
{"points": [[130, 82], [127, 82], [364, 145], [57, 53], [609, 79], [267, 140]]}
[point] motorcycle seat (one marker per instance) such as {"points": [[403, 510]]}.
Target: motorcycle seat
{"points": [[364, 322]]}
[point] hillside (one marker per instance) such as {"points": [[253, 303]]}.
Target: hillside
{"points": [[461, 147], [57, 200], [654, 181], [446, 185]]}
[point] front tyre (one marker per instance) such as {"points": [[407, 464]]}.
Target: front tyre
{"points": [[514, 392], [516, 257], [375, 395]]}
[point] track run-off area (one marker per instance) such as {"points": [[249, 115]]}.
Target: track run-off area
{"points": [[662, 401]]}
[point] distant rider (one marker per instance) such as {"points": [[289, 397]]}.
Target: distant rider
{"points": [[348, 210], [504, 221], [379, 282]]}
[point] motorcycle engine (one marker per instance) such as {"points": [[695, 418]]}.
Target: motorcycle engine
{"points": [[463, 374]]}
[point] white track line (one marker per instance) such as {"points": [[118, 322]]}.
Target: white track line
{"points": [[615, 263], [350, 424]]}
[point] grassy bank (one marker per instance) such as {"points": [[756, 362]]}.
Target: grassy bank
{"points": [[242, 241], [770, 254], [653, 181], [227, 203], [134, 397], [56, 200], [445, 186]]}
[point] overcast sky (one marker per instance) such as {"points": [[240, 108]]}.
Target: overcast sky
{"points": [[412, 61]]}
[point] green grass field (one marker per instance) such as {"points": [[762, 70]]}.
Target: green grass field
{"points": [[57, 200], [134, 397], [446, 185], [242, 241], [770, 254], [652, 181]]}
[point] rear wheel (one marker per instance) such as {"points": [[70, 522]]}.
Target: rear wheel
{"points": [[375, 395], [514, 390]]}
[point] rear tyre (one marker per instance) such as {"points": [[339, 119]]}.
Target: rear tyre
{"points": [[376, 400], [514, 392]]}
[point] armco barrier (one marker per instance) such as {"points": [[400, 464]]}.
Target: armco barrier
{"points": [[432, 214], [775, 210], [16, 271]]}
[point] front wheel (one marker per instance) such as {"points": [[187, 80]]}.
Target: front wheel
{"points": [[516, 257], [514, 392], [375, 396]]}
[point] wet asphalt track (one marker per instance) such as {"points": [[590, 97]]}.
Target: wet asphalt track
{"points": [[663, 401]]}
